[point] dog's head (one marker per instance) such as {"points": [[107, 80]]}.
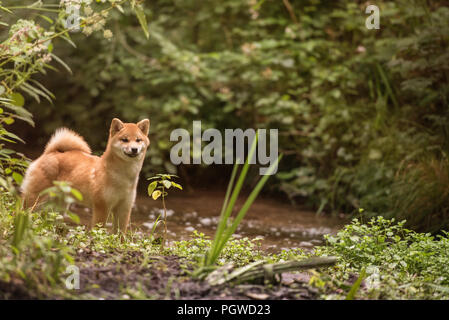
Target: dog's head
{"points": [[129, 141]]}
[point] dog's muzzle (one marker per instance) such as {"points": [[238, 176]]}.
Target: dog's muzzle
{"points": [[134, 153]]}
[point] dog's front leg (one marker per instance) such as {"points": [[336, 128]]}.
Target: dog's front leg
{"points": [[100, 214], [121, 217]]}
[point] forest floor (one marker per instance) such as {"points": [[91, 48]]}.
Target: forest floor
{"points": [[374, 259], [163, 277], [168, 277]]}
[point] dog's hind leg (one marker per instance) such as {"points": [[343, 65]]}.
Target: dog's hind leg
{"points": [[31, 197]]}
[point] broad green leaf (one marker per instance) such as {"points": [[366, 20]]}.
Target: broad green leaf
{"points": [[151, 187], [77, 194], [75, 218], [17, 177], [21, 113], [156, 194], [17, 99], [176, 185], [166, 183], [8, 120]]}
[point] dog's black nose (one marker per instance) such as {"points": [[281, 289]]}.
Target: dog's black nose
{"points": [[134, 150]]}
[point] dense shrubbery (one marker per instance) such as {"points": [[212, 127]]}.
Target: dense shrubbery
{"points": [[399, 263], [363, 114]]}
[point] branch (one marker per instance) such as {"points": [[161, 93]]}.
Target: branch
{"points": [[290, 11], [258, 270]]}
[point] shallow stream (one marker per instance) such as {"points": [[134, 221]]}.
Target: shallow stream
{"points": [[279, 224]]}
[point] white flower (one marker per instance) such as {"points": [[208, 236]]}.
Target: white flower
{"points": [[88, 11], [107, 34], [87, 31]]}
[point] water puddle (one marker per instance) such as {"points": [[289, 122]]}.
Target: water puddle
{"points": [[279, 225]]}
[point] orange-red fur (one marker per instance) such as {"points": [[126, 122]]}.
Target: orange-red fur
{"points": [[107, 183]]}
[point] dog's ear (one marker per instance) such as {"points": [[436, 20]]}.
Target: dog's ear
{"points": [[116, 126], [144, 126]]}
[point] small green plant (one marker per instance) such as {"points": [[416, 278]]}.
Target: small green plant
{"points": [[227, 226], [158, 188]]}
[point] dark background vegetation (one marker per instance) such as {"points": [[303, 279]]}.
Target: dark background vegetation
{"points": [[362, 114]]}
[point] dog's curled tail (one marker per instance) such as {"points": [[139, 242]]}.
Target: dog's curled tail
{"points": [[66, 140]]}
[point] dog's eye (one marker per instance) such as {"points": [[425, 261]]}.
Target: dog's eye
{"points": [[125, 140], [138, 140]]}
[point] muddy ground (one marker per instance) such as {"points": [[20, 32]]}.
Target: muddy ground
{"points": [[159, 277]]}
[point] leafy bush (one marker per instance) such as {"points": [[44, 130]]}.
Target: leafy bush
{"points": [[29, 251], [400, 263]]}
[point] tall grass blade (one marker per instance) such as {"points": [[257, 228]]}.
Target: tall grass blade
{"points": [[387, 85], [20, 226], [223, 221], [225, 231], [251, 198], [214, 252], [356, 285]]}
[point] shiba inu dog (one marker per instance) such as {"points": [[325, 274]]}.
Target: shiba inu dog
{"points": [[107, 183]]}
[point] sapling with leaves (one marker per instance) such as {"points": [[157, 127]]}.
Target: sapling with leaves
{"points": [[158, 189]]}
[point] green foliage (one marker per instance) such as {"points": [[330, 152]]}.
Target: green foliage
{"points": [[36, 248], [362, 116], [240, 252], [162, 183], [157, 188], [399, 263], [377, 260], [350, 103], [31, 249], [28, 252], [420, 194]]}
